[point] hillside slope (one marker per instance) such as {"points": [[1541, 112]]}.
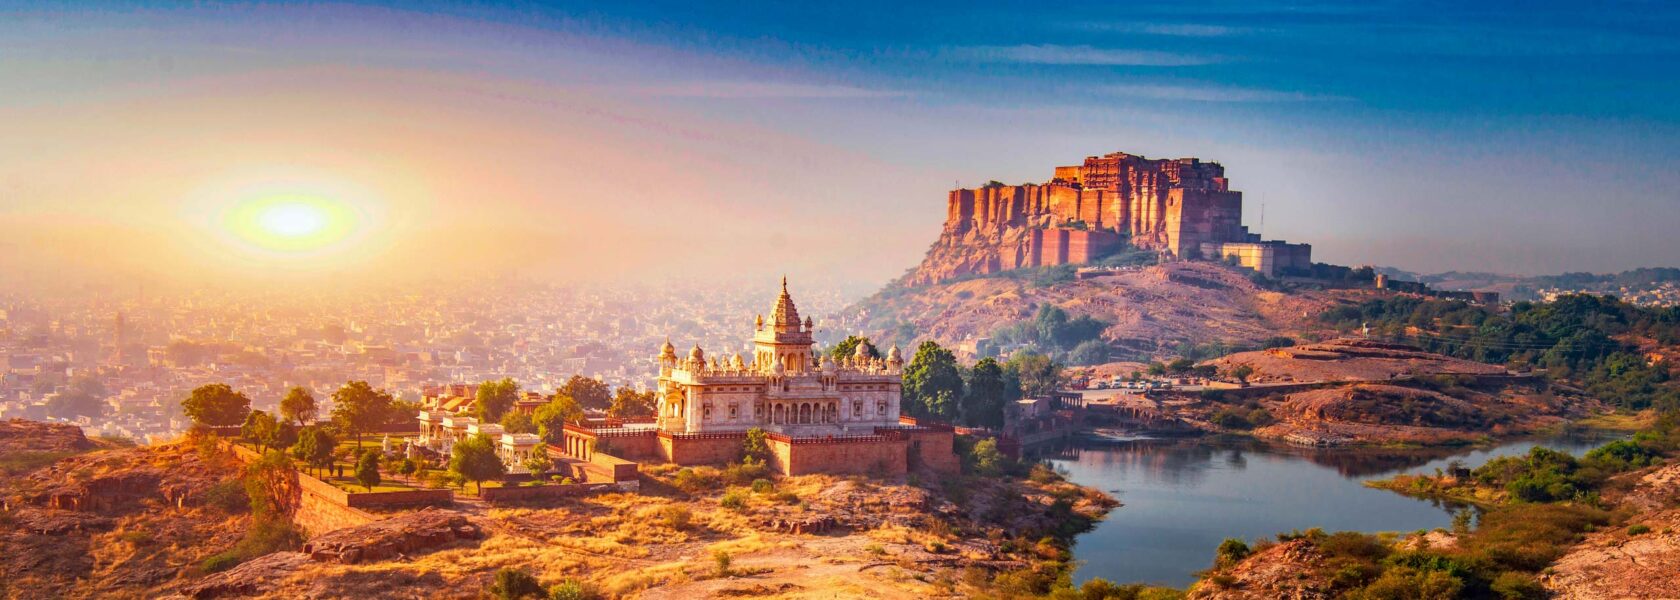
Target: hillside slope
{"points": [[1147, 308]]}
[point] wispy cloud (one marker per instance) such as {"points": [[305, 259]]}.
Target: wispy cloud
{"points": [[1049, 54], [746, 90], [1198, 30], [1200, 93]]}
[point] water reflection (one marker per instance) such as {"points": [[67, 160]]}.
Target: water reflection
{"points": [[1180, 497]]}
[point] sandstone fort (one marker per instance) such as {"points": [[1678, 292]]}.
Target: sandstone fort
{"points": [[1183, 208]]}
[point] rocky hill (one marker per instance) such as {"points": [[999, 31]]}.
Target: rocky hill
{"points": [[109, 522], [1348, 360], [1147, 308]]}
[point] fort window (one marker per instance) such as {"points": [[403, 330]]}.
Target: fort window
{"points": [[732, 411]]}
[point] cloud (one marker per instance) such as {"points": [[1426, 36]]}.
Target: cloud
{"points": [[1049, 54], [747, 90], [1198, 30], [1213, 93]]}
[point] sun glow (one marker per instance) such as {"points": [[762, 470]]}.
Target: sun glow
{"points": [[292, 224]]}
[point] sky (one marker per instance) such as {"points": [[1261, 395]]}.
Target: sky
{"points": [[655, 140]]}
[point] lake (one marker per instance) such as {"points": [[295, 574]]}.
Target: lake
{"points": [[1181, 497]]}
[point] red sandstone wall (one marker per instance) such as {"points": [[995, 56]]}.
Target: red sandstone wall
{"points": [[634, 447], [323, 507], [934, 451], [883, 457], [704, 449]]}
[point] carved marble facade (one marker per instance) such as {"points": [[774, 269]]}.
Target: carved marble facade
{"points": [[784, 387]]}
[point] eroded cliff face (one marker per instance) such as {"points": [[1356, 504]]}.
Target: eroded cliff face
{"points": [[1083, 212]]}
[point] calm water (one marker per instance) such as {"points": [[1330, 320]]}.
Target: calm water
{"points": [[1181, 497]]}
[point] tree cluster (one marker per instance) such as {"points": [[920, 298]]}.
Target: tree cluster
{"points": [[936, 387]]}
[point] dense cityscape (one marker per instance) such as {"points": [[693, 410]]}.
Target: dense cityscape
{"points": [[119, 365]]}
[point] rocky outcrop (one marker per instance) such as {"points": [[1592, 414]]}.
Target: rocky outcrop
{"points": [[249, 578], [1283, 571], [1641, 560], [810, 524], [121, 480], [19, 435], [403, 535]]}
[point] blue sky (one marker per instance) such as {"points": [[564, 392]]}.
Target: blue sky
{"points": [[1521, 137]]}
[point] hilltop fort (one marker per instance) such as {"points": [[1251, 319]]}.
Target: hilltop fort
{"points": [[1182, 207]]}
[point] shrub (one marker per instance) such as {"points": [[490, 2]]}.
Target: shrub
{"points": [[1638, 529], [722, 560], [220, 562], [762, 486], [512, 584], [1512, 585], [1404, 583], [1230, 551], [746, 472], [734, 500], [572, 589], [676, 517], [1231, 419], [694, 480], [228, 496]]}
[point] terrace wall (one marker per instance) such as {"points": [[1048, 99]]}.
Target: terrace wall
{"points": [[701, 448]]}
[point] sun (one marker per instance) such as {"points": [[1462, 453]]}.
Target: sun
{"points": [[291, 224], [293, 220]]}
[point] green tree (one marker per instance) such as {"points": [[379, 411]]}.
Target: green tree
{"points": [[358, 408], [931, 373], [1241, 373], [1089, 352], [518, 422], [367, 469], [591, 394], [988, 391], [315, 447], [985, 459], [474, 459], [1039, 376], [216, 405], [263, 430], [494, 399], [756, 448], [538, 461], [410, 468], [298, 406], [847, 347], [631, 403], [551, 418]]}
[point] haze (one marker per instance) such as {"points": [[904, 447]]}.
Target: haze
{"points": [[608, 143]]}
